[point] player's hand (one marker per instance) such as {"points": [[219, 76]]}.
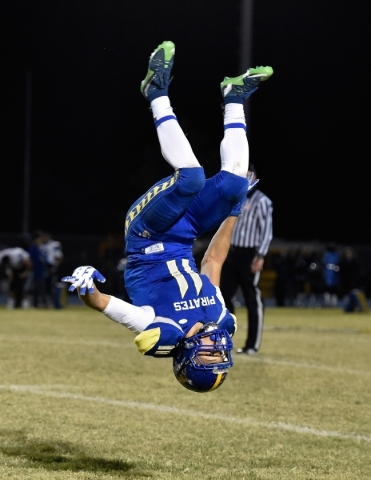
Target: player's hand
{"points": [[83, 278], [257, 264]]}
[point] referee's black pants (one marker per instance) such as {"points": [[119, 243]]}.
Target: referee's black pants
{"points": [[236, 272]]}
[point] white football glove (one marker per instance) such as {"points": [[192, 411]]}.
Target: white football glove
{"points": [[83, 278]]}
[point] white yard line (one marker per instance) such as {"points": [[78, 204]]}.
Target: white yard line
{"points": [[38, 390]]}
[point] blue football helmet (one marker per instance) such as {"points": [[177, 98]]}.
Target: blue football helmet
{"points": [[189, 367]]}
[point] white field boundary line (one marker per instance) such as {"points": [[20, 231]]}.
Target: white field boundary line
{"points": [[62, 341], [287, 363], [184, 412]]}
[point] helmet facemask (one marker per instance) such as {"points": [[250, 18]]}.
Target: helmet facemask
{"points": [[220, 347], [203, 360]]}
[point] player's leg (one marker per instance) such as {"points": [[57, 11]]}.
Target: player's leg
{"points": [[255, 315], [234, 148], [18, 283], [249, 283], [12, 294], [229, 186], [167, 200], [174, 144]]}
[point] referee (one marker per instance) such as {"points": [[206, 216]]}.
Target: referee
{"points": [[251, 237]]}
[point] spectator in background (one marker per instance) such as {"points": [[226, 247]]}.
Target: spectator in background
{"points": [[301, 276], [251, 238], [351, 288], [281, 284], [39, 264], [331, 275], [17, 265], [315, 279], [53, 254], [350, 271], [290, 289]]}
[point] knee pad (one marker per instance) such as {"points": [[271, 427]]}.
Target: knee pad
{"points": [[191, 181]]}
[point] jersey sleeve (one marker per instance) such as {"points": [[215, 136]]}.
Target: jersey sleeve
{"points": [[160, 338], [229, 323], [227, 320]]}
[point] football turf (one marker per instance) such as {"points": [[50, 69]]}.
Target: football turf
{"points": [[79, 402]]}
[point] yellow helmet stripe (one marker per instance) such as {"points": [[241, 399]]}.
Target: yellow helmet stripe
{"points": [[217, 382]]}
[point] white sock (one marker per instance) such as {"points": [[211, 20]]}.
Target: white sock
{"points": [[234, 149], [161, 107], [234, 113], [175, 147]]}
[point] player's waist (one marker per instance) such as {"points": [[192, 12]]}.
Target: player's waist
{"points": [[154, 249]]}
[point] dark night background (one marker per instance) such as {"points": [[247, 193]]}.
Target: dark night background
{"points": [[94, 147]]}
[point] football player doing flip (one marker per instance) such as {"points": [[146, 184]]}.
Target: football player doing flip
{"points": [[176, 310]]}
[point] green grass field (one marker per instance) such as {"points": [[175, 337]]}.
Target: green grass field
{"points": [[79, 402]]}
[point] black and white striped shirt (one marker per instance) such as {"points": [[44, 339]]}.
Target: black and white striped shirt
{"points": [[254, 227]]}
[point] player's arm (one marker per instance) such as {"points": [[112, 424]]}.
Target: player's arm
{"points": [[217, 251], [136, 319], [96, 299]]}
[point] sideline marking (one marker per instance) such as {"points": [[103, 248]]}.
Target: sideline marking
{"points": [[37, 390]]}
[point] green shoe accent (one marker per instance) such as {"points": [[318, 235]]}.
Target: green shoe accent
{"points": [[237, 89], [160, 64], [263, 72]]}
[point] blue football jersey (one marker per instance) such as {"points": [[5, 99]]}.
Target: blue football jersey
{"points": [[160, 229], [179, 295]]}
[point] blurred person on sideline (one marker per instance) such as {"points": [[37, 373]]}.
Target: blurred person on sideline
{"points": [[331, 275], [178, 312], [53, 253], [17, 265], [315, 279], [290, 277], [281, 283], [250, 242], [301, 275], [39, 266], [351, 288], [350, 271]]}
